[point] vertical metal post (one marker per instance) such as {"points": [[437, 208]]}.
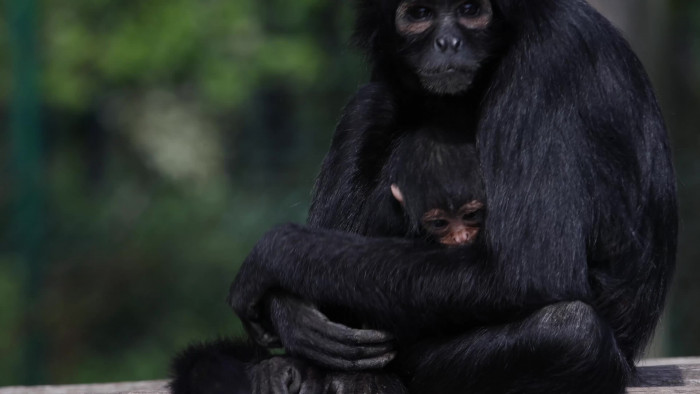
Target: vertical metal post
{"points": [[27, 179]]}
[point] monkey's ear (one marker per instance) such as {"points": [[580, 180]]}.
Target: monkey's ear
{"points": [[397, 193]]}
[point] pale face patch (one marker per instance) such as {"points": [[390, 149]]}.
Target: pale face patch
{"points": [[405, 25], [481, 21]]}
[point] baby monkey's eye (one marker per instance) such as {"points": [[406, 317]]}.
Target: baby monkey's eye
{"points": [[470, 216], [469, 9], [419, 13], [438, 223]]}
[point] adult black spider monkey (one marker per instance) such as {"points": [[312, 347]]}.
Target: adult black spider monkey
{"points": [[578, 244]]}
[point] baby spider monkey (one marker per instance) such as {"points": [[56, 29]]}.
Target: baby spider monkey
{"points": [[445, 225], [436, 181]]}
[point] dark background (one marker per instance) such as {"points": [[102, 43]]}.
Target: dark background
{"points": [[146, 145]]}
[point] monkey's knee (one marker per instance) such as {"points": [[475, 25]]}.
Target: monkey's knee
{"points": [[577, 316], [573, 328], [574, 334], [574, 342]]}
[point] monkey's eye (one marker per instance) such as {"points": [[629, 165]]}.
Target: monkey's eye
{"points": [[419, 13], [474, 217], [438, 223], [469, 216], [469, 9]]}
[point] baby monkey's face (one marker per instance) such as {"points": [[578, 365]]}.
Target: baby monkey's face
{"points": [[454, 228], [448, 227]]}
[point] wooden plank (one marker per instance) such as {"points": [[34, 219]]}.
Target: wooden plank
{"points": [[661, 376], [675, 375], [668, 361], [152, 387], [663, 390]]}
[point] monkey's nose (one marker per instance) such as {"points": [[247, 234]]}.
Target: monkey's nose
{"points": [[461, 237], [445, 43]]}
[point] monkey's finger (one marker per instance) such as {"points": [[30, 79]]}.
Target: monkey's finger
{"points": [[350, 365], [278, 385], [320, 323], [341, 350], [261, 381], [292, 379], [312, 382], [261, 336], [351, 336], [271, 379]]}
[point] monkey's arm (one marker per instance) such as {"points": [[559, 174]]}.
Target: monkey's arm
{"points": [[339, 194], [394, 283]]}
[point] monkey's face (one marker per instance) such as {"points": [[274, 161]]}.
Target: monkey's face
{"points": [[454, 228], [444, 42]]}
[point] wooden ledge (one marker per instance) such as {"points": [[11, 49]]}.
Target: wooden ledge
{"points": [[152, 387], [660, 376], [668, 375]]}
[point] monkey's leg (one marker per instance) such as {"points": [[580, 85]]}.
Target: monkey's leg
{"points": [[562, 348]]}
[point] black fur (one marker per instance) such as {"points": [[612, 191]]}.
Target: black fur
{"points": [[216, 367], [434, 168], [579, 240]]}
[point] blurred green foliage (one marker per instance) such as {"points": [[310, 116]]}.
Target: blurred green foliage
{"points": [[176, 133], [222, 48]]}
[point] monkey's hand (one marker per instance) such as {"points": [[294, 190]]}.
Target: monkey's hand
{"points": [[277, 375], [307, 333]]}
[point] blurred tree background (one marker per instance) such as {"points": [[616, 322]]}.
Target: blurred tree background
{"points": [[168, 135]]}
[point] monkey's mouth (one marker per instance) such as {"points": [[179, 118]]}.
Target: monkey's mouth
{"points": [[446, 80], [442, 71]]}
